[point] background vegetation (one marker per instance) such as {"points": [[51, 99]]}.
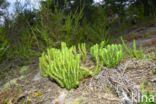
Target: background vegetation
{"points": [[31, 31]]}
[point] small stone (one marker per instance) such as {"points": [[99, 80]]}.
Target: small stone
{"points": [[153, 80], [37, 77]]}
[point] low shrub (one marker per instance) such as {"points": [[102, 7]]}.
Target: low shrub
{"points": [[63, 66]]}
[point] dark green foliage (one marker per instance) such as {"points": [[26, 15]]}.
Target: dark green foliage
{"points": [[4, 45], [80, 21], [149, 7], [71, 28]]}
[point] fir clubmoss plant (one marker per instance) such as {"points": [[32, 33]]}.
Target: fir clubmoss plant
{"points": [[94, 51], [63, 66], [111, 55], [83, 51], [133, 51], [108, 56]]}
